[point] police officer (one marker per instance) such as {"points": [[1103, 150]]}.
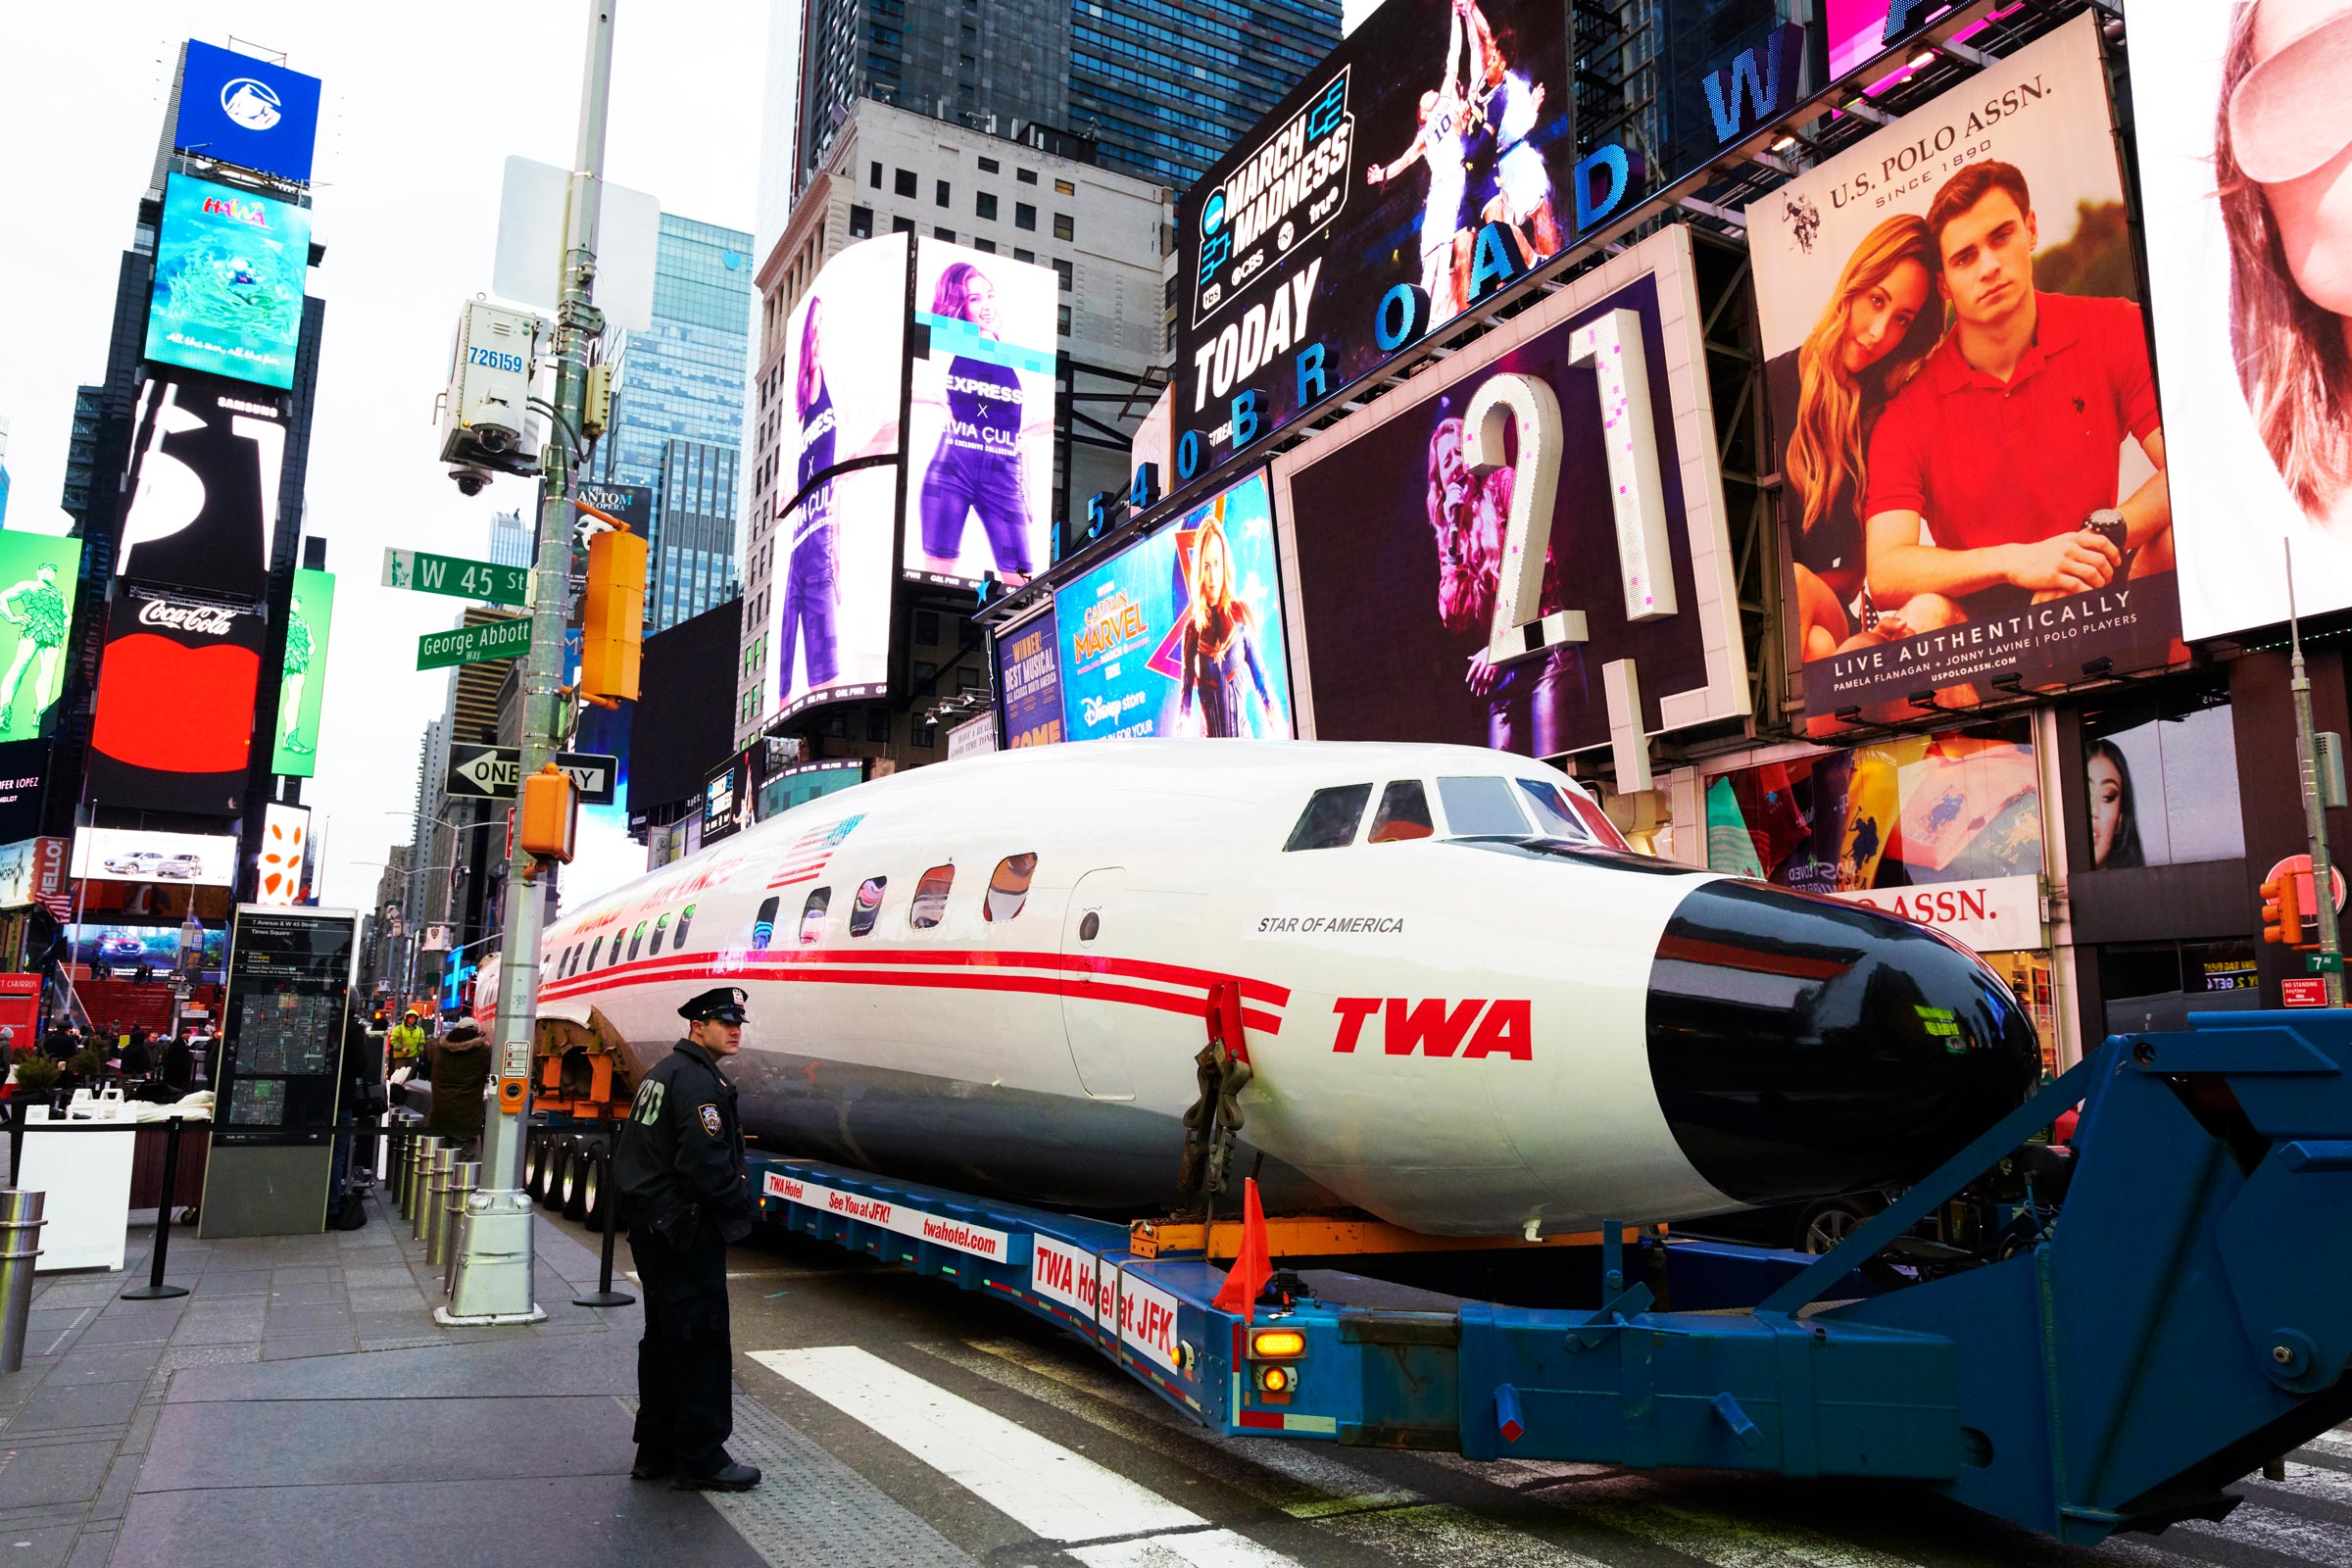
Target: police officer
{"points": [[684, 1195]]}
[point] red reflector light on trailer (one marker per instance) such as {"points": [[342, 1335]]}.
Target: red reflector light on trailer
{"points": [[1274, 1379]]}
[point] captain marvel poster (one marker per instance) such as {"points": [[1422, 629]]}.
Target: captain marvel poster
{"points": [[1181, 634]]}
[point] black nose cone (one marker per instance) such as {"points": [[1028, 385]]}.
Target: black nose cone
{"points": [[1801, 1047]]}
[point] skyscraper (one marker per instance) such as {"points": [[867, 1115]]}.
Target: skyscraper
{"points": [[509, 540], [679, 384]]}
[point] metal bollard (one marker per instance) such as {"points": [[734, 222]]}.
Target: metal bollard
{"points": [[396, 1174], [19, 1233], [463, 1177], [429, 1188], [421, 1149]]}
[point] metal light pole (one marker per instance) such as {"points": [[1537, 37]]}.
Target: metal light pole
{"points": [[2314, 815], [494, 1283]]}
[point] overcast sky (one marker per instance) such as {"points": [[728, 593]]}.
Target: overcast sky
{"points": [[424, 102]]}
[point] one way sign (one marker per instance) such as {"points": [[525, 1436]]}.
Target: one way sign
{"points": [[491, 774]]}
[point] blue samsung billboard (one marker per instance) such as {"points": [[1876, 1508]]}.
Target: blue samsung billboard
{"points": [[247, 112], [229, 271], [1181, 634]]}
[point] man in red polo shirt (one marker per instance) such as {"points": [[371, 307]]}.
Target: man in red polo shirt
{"points": [[2007, 440]]}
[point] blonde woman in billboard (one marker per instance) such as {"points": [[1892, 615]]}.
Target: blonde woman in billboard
{"points": [[1220, 643], [2282, 154], [37, 608], [977, 464], [1874, 333]]}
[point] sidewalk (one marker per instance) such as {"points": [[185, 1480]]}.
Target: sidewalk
{"points": [[300, 1399]]}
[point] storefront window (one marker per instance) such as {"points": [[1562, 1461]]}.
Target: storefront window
{"points": [[2160, 778]]}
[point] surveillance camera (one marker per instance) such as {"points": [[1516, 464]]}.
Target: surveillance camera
{"points": [[496, 439], [471, 480]]}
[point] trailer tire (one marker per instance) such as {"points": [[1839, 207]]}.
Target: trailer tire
{"points": [[534, 1168], [593, 1196], [575, 1180], [559, 1172]]}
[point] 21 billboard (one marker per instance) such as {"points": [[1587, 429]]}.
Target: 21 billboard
{"points": [[1962, 401], [229, 272], [36, 611], [981, 405], [1181, 632], [206, 467], [1432, 120], [234, 109], [174, 726], [302, 676], [1402, 542]]}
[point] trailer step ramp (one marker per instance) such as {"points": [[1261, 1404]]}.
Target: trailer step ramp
{"points": [[2190, 1317]]}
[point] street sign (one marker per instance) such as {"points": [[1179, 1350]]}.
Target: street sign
{"points": [[458, 577], [493, 772], [471, 644], [2298, 991], [2323, 963]]}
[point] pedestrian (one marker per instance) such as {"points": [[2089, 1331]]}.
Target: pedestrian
{"points": [[137, 1060], [179, 1064], [684, 1195], [407, 1038], [458, 1066]]}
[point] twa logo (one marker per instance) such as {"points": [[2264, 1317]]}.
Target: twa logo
{"points": [[1438, 1027]]}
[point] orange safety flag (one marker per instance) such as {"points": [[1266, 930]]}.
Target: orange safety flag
{"points": [[1251, 1268]]}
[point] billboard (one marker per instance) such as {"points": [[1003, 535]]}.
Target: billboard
{"points": [[23, 765], [1029, 681], [127, 946], [229, 269], [1857, 30], [2248, 284], [302, 678], [173, 726], [36, 611], [33, 872], [829, 630], [136, 854], [1379, 170], [1181, 632], [234, 109], [1950, 527], [1398, 544], [203, 509], [844, 348], [286, 843], [980, 443]]}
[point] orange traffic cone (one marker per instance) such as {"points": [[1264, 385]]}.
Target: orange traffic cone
{"points": [[1251, 1268]]}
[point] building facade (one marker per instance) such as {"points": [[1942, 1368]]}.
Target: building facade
{"points": [[509, 540]]}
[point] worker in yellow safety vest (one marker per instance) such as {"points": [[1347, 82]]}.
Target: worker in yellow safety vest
{"points": [[407, 1040]]}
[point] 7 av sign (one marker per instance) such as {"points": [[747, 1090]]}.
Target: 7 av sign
{"points": [[492, 774]]}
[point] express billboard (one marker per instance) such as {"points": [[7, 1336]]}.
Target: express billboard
{"points": [[1433, 120], [234, 109], [1181, 632], [981, 408], [829, 630], [1029, 681], [1398, 539], [229, 272], [203, 511], [174, 726], [844, 345], [36, 611], [302, 676], [1962, 401], [2248, 262]]}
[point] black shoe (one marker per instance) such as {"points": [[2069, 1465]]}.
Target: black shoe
{"points": [[651, 1466], [726, 1478]]}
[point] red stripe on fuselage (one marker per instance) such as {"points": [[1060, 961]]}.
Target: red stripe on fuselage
{"points": [[959, 957]]}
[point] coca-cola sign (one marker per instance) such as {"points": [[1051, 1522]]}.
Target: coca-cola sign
{"points": [[211, 621], [173, 726]]}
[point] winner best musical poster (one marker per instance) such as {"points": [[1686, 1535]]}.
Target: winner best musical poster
{"points": [[1964, 412]]}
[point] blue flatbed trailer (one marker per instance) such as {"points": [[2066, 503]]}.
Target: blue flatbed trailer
{"points": [[2187, 1318]]}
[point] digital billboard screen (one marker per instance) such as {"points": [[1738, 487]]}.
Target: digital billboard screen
{"points": [[829, 630], [237, 109], [229, 269], [285, 845], [127, 946], [1949, 526], [173, 726], [1181, 632], [302, 677], [203, 511], [843, 347], [23, 764], [36, 611], [1029, 681], [1401, 545], [1432, 119], [139, 855], [2250, 307], [980, 450]]}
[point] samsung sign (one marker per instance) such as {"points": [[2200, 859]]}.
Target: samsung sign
{"points": [[247, 112]]}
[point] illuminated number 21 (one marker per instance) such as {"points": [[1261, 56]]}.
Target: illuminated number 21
{"points": [[1612, 347]]}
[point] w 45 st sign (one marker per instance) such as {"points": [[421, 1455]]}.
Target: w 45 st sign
{"points": [[458, 578]]}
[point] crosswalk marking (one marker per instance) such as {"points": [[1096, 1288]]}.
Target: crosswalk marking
{"points": [[2338, 1442], [1207, 1548], [2291, 1536]]}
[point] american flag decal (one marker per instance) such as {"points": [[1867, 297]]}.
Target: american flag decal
{"points": [[810, 850]]}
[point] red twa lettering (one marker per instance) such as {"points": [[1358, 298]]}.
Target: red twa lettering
{"points": [[1353, 1011], [1427, 1025], [1438, 1027], [1505, 1030]]}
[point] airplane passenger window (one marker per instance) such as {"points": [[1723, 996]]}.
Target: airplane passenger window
{"points": [[660, 930], [593, 951], [868, 908], [812, 916], [1330, 818], [1555, 816], [1403, 814], [930, 902], [636, 938], [764, 924], [1008, 887], [1480, 807], [677, 942]]}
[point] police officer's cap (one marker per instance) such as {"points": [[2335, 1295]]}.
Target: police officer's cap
{"points": [[718, 1004]]}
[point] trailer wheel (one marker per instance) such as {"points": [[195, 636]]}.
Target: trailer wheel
{"points": [[1828, 1223], [534, 1168], [575, 1180], [559, 1172], [593, 1196]]}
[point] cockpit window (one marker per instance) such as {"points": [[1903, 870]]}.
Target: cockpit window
{"points": [[1330, 818], [1555, 818], [1403, 814], [1480, 806]]}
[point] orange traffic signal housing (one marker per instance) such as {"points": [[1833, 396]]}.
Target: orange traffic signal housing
{"points": [[613, 615], [549, 811], [2282, 910]]}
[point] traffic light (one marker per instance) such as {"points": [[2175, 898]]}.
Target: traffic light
{"points": [[2282, 910], [612, 618]]}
